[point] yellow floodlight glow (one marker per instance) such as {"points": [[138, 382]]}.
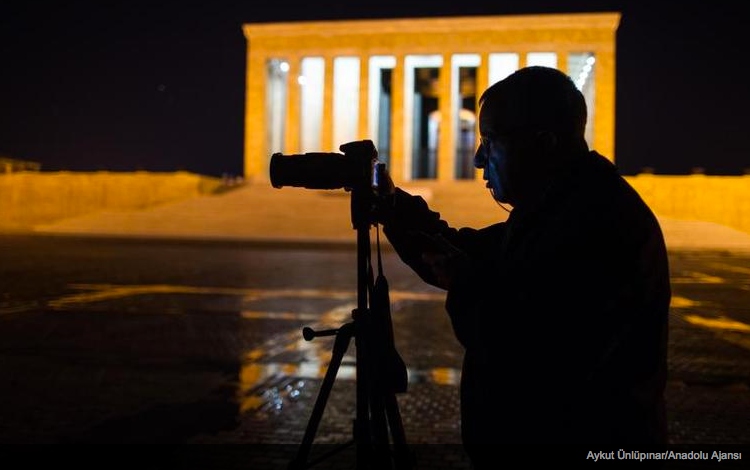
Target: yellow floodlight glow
{"points": [[720, 323]]}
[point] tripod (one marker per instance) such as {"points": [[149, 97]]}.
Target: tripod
{"points": [[380, 372]]}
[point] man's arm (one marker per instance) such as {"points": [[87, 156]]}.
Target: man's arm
{"points": [[434, 250]]}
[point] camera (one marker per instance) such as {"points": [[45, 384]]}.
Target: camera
{"points": [[358, 167]]}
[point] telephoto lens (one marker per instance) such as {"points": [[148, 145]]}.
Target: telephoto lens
{"points": [[319, 170], [314, 171]]}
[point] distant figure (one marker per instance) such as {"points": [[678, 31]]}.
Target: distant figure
{"points": [[562, 310]]}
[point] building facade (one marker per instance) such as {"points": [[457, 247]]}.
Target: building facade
{"points": [[412, 85]]}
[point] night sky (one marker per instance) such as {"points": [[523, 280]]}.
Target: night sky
{"points": [[127, 86]]}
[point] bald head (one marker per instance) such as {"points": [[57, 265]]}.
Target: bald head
{"points": [[535, 100], [532, 127]]}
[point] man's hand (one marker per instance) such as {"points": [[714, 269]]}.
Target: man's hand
{"points": [[445, 261], [386, 187], [386, 198]]}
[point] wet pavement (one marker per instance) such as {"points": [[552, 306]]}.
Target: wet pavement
{"points": [[170, 342]]}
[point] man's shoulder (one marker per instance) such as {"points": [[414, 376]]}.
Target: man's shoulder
{"points": [[606, 190], [601, 206]]}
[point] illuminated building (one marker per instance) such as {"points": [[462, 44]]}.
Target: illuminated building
{"points": [[312, 86]]}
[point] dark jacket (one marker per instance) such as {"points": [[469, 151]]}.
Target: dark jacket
{"points": [[562, 311]]}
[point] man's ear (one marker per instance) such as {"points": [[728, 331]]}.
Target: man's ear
{"points": [[546, 141]]}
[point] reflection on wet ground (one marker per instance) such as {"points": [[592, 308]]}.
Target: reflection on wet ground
{"points": [[283, 354]]}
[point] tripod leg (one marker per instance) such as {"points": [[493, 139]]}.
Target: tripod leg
{"points": [[382, 452], [340, 346], [378, 424], [401, 454]]}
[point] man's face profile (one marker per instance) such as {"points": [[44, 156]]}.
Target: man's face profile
{"points": [[493, 158]]}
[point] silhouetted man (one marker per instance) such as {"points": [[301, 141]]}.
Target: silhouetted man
{"points": [[562, 310]]}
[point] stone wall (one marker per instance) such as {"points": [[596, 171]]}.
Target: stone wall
{"points": [[721, 199], [31, 198]]}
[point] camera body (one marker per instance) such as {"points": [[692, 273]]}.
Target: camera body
{"points": [[357, 168]]}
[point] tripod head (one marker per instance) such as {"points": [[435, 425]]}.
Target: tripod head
{"points": [[357, 170]]}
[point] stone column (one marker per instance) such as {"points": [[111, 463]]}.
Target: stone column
{"points": [[483, 79], [604, 101], [364, 98], [522, 59], [326, 138], [292, 125], [562, 61], [397, 121], [446, 157], [256, 162]]}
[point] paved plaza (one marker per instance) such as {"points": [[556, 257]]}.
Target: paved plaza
{"points": [[134, 341]]}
